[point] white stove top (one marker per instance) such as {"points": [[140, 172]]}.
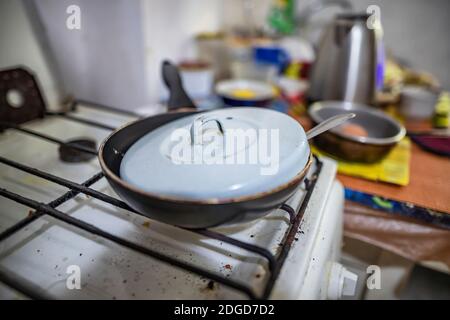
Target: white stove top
{"points": [[40, 254]]}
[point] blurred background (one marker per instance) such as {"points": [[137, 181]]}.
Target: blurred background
{"points": [[115, 57]]}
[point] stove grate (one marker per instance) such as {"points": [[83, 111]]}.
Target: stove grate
{"points": [[275, 263]]}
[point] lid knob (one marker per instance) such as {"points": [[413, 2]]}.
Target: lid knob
{"points": [[197, 128]]}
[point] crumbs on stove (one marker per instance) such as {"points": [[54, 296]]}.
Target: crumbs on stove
{"points": [[210, 285]]}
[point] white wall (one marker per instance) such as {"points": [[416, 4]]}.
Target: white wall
{"points": [[169, 30], [104, 60], [19, 46], [115, 57]]}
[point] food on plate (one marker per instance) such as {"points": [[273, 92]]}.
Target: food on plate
{"points": [[353, 129], [243, 93]]}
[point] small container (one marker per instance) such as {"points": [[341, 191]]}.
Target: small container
{"points": [[198, 78], [441, 117], [212, 48], [417, 102], [271, 55]]}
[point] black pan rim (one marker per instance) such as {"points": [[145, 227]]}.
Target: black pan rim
{"points": [[111, 175]]}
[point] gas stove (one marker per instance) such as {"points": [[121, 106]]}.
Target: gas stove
{"points": [[58, 214]]}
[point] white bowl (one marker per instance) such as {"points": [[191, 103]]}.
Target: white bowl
{"points": [[262, 90]]}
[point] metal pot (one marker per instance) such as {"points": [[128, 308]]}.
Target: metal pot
{"points": [[383, 132]]}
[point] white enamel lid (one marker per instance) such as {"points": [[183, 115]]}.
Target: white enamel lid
{"points": [[218, 154]]}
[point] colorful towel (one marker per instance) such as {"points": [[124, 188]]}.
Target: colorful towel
{"points": [[394, 168]]}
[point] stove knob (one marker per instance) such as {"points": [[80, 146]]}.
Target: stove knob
{"points": [[341, 282]]}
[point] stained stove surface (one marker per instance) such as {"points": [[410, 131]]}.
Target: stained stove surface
{"points": [[36, 258]]}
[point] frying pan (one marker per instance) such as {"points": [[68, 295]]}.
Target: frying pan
{"points": [[186, 212]]}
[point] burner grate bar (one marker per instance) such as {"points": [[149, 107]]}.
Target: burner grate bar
{"points": [[290, 211], [41, 207], [67, 183], [48, 138], [73, 193], [252, 248], [23, 286], [14, 281], [19, 225], [285, 249], [94, 105], [55, 203], [81, 120]]}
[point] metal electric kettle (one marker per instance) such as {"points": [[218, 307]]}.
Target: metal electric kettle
{"points": [[346, 64]]}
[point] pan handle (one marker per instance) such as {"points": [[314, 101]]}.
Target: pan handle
{"points": [[178, 97]]}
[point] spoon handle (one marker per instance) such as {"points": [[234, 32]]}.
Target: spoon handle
{"points": [[328, 124]]}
